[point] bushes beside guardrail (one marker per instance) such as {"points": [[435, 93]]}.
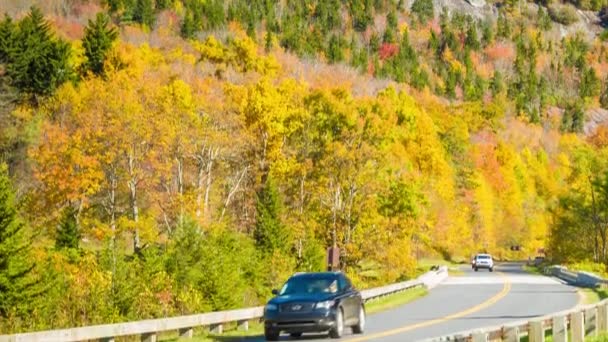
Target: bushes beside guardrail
{"points": [[148, 329]]}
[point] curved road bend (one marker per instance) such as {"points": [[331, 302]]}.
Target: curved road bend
{"points": [[473, 300]]}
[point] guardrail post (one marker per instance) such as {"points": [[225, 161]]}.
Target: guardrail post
{"points": [[591, 322], [480, 337], [577, 326], [560, 329], [537, 331], [217, 329], [186, 333], [511, 334], [243, 325], [602, 317], [149, 337]]}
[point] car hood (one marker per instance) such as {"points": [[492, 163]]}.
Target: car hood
{"points": [[318, 297]]}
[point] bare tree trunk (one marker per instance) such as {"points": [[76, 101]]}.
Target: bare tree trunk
{"points": [[233, 191], [599, 252], [180, 189], [132, 183], [335, 208], [205, 162], [352, 191]]}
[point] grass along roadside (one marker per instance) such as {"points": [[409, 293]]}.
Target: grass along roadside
{"points": [[454, 268], [256, 328]]}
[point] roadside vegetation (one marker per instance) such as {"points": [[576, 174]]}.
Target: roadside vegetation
{"points": [[169, 157]]}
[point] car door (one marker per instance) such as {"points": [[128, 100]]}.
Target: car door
{"points": [[351, 298]]}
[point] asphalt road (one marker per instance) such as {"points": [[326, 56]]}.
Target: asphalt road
{"points": [[469, 301]]}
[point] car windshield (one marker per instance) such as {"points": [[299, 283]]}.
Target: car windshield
{"points": [[483, 257], [304, 285]]}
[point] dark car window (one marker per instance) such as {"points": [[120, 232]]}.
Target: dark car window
{"points": [[304, 285], [343, 283]]}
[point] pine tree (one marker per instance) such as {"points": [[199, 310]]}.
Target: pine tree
{"points": [[68, 234], [7, 38], [423, 9], [17, 286], [38, 63], [163, 4], [604, 96], [590, 84], [143, 12], [97, 41], [270, 234], [188, 28]]}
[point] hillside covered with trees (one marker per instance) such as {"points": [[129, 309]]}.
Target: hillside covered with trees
{"points": [[167, 157]]}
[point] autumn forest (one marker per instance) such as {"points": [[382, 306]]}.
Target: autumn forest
{"points": [[168, 157]]}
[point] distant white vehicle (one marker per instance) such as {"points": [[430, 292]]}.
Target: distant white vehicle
{"points": [[484, 261]]}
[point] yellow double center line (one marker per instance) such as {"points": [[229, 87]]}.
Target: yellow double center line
{"points": [[505, 290]]}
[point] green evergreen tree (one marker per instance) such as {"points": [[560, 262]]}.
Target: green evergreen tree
{"points": [[573, 117], [334, 50], [188, 28], [604, 96], [590, 84], [270, 234], [497, 84], [97, 41], [7, 38], [143, 12], [68, 234], [543, 19], [472, 39], [17, 285], [38, 63], [423, 9], [213, 10], [503, 28], [163, 4]]}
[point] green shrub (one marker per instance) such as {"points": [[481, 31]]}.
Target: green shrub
{"points": [[563, 14]]}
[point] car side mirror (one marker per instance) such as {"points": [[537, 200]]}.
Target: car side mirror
{"points": [[275, 292]]}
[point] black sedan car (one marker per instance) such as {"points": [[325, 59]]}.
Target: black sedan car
{"points": [[314, 302]]}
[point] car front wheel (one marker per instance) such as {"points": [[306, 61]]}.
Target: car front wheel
{"points": [[338, 329], [491, 269], [360, 326], [271, 335]]}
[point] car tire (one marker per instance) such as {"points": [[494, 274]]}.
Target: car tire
{"points": [[476, 269], [338, 329], [359, 328], [296, 335], [491, 269], [271, 335]]}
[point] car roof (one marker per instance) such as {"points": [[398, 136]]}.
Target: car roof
{"points": [[483, 254], [313, 275]]}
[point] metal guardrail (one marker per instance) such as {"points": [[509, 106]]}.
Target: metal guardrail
{"points": [[148, 329], [570, 325], [576, 323], [578, 278]]}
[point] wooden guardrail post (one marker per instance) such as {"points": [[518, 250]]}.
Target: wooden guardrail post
{"points": [[560, 329], [537, 331], [591, 322], [511, 334], [602, 317], [243, 325], [149, 337], [577, 326], [217, 329], [186, 333], [480, 337]]}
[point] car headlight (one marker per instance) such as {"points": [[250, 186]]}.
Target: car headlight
{"points": [[324, 305], [271, 307]]}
